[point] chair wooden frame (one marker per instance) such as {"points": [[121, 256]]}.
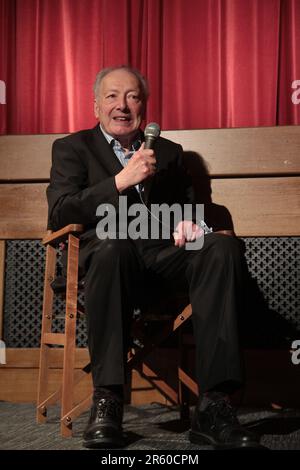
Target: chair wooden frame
{"points": [[70, 378]]}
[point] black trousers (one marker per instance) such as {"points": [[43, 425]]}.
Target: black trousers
{"points": [[213, 278]]}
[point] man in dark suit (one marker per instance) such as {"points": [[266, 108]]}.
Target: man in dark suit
{"points": [[93, 168]]}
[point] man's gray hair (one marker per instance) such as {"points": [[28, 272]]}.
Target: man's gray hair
{"points": [[143, 83]]}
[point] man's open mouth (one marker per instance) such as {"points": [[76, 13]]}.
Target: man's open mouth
{"points": [[122, 118]]}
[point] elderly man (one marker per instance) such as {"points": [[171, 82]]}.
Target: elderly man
{"points": [[94, 167]]}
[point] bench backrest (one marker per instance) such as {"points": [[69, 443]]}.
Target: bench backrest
{"points": [[255, 174]]}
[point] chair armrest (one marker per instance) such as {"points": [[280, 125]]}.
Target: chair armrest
{"points": [[53, 238]]}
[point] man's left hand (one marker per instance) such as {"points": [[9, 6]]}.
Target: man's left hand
{"points": [[186, 231]]}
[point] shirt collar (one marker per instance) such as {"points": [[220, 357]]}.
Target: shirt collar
{"points": [[108, 137]]}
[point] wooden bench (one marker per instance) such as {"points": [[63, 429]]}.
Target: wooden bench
{"points": [[255, 174]]}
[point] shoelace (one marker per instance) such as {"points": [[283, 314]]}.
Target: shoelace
{"points": [[109, 408], [222, 408]]}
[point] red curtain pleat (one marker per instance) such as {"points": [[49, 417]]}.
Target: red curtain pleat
{"points": [[210, 63], [289, 70]]}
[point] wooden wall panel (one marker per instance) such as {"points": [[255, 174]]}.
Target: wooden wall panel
{"points": [[262, 206], [271, 377], [259, 207], [262, 150], [2, 275], [19, 377], [26, 157], [28, 358], [23, 211], [247, 151]]}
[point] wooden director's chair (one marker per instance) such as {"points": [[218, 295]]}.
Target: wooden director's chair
{"points": [[71, 377]]}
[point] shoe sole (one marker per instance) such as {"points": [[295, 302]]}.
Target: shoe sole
{"points": [[201, 439]]}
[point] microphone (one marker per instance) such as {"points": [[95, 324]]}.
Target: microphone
{"points": [[151, 133]]}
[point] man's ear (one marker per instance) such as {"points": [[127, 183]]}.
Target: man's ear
{"points": [[96, 110]]}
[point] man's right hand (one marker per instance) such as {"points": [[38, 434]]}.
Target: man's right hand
{"points": [[141, 165]]}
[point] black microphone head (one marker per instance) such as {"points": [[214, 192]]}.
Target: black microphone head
{"points": [[152, 132]]}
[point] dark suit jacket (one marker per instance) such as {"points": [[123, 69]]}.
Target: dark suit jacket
{"points": [[82, 177]]}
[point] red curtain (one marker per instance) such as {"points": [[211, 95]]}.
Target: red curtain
{"points": [[210, 63]]}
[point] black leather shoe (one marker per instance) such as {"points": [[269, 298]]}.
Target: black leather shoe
{"points": [[215, 423], [104, 429]]}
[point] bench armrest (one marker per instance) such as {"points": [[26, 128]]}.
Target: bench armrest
{"points": [[53, 238]]}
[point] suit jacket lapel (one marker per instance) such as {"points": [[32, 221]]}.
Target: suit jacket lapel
{"points": [[108, 159], [104, 152]]}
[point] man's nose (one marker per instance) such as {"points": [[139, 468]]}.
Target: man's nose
{"points": [[122, 103]]}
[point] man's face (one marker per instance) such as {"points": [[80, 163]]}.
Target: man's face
{"points": [[119, 105]]}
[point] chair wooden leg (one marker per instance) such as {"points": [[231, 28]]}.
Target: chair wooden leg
{"points": [[186, 383], [70, 336], [43, 379], [183, 391]]}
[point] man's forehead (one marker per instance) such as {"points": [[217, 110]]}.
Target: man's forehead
{"points": [[119, 79]]}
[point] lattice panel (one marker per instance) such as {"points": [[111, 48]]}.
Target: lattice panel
{"points": [[273, 262], [25, 260]]}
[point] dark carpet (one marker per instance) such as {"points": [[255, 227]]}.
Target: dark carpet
{"points": [[148, 427]]}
